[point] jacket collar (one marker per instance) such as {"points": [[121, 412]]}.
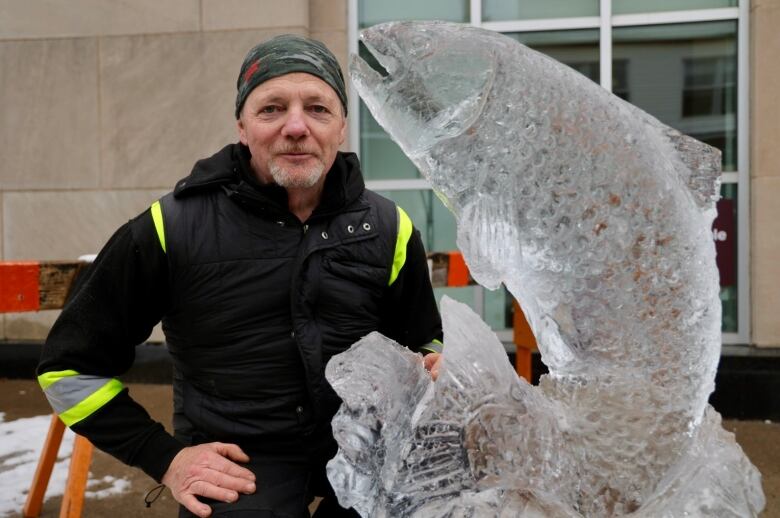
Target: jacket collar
{"points": [[229, 168]]}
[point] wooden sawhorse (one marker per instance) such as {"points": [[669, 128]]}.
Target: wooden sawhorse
{"points": [[32, 286]]}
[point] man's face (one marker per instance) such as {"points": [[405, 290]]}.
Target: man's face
{"points": [[293, 125]]}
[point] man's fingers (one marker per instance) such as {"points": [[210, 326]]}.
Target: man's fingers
{"points": [[231, 451], [227, 481], [213, 491], [230, 468], [430, 360], [195, 506]]}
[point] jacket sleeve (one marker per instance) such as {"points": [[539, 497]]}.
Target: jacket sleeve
{"points": [[411, 316], [112, 308]]}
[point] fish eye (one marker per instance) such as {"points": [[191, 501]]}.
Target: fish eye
{"points": [[419, 43]]}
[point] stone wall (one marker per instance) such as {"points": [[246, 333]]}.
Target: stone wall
{"points": [[765, 172], [105, 105]]}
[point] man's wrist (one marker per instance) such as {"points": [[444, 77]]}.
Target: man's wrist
{"points": [[434, 346], [157, 454]]}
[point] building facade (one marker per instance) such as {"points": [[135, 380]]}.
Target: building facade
{"points": [[105, 105]]}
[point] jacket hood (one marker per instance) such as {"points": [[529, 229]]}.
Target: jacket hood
{"points": [[229, 168]]}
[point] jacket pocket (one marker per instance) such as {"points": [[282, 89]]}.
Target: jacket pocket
{"points": [[370, 277]]}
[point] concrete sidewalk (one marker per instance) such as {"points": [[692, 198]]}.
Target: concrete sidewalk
{"points": [[23, 398]]}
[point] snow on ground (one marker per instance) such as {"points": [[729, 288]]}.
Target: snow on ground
{"points": [[21, 442]]}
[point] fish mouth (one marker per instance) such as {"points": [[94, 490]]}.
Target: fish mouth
{"points": [[383, 48], [387, 68]]}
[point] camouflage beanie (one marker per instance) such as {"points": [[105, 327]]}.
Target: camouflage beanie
{"points": [[286, 54]]}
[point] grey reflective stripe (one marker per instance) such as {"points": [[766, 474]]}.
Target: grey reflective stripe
{"points": [[433, 347], [72, 390]]}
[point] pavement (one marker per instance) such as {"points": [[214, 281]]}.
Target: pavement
{"points": [[22, 398]]}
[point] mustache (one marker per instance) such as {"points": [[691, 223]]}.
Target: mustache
{"points": [[294, 149]]}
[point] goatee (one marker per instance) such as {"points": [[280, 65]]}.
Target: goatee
{"points": [[296, 179]]}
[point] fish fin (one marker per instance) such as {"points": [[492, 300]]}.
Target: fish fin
{"points": [[703, 164]]}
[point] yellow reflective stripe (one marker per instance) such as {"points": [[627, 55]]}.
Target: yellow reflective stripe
{"points": [[92, 403], [158, 223], [404, 233], [46, 379]]}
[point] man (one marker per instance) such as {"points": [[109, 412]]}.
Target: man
{"points": [[268, 259]]}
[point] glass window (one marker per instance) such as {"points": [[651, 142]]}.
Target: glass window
{"points": [[578, 49], [371, 12], [434, 221], [724, 232], [709, 86], [380, 157], [466, 295], [620, 79], [643, 6], [501, 10], [498, 308], [686, 76]]}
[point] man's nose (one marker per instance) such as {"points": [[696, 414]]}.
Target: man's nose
{"points": [[295, 125]]}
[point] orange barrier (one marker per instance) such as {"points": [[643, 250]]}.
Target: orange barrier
{"points": [[36, 285], [19, 289], [525, 342]]}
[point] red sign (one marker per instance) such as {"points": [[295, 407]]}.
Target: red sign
{"points": [[724, 232]]}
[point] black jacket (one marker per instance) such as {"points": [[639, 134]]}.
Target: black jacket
{"points": [[253, 304]]}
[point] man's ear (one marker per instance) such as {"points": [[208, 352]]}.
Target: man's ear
{"points": [[241, 132], [343, 132]]}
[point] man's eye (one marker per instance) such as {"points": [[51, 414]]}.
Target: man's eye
{"points": [[269, 109], [319, 109]]}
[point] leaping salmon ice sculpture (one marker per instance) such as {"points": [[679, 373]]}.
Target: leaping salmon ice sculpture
{"points": [[597, 218]]}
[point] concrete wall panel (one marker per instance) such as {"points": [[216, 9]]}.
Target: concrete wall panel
{"points": [[66, 225], [49, 123], [336, 41], [244, 14], [766, 261], [328, 15], [57, 19], [167, 101], [29, 326], [765, 123]]}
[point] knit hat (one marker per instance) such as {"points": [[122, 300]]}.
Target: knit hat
{"points": [[286, 54]]}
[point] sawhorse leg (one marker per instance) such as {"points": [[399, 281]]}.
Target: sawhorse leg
{"points": [[32, 507], [73, 499]]}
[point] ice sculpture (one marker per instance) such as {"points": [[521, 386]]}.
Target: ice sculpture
{"points": [[597, 218]]}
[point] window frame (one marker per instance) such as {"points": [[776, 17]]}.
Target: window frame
{"points": [[605, 22]]}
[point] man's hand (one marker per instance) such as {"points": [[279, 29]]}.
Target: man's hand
{"points": [[207, 470], [432, 362]]}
